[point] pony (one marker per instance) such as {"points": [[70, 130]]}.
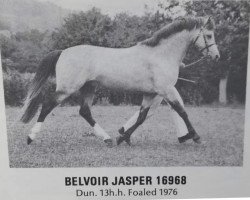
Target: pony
{"points": [[150, 67]]}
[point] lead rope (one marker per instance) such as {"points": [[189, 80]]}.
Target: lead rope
{"points": [[187, 80], [195, 62], [189, 65]]}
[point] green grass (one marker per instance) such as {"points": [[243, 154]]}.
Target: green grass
{"points": [[64, 141]]}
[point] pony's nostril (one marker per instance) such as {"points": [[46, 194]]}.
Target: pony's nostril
{"points": [[217, 57]]}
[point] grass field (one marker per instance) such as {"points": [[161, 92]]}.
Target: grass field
{"points": [[64, 141]]}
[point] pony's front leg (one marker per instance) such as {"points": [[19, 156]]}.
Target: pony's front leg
{"points": [[86, 99], [180, 125], [149, 101], [185, 131]]}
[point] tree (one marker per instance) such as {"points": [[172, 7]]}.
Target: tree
{"points": [[91, 27], [24, 50]]}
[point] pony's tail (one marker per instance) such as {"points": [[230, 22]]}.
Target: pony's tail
{"points": [[33, 100]]}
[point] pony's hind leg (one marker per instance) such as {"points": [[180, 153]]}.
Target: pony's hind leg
{"points": [[49, 103], [138, 118], [86, 99], [171, 96], [47, 107]]}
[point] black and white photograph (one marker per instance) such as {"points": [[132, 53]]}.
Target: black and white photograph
{"points": [[118, 83]]}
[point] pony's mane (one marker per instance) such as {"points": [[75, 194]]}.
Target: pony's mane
{"points": [[178, 25]]}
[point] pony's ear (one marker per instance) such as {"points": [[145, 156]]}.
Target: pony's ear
{"points": [[209, 24], [209, 19]]}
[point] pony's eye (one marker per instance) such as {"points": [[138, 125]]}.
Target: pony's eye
{"points": [[209, 36]]}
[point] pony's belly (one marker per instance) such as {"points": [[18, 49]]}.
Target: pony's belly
{"points": [[142, 85], [127, 74]]}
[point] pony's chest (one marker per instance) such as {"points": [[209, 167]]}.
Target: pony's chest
{"points": [[166, 73]]}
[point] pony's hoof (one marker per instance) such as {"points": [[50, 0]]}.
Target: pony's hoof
{"points": [[127, 140], [120, 139], [29, 140], [123, 137], [197, 139], [109, 143]]}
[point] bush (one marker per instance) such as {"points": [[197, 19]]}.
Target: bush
{"points": [[16, 87]]}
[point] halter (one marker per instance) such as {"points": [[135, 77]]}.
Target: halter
{"points": [[207, 46]]}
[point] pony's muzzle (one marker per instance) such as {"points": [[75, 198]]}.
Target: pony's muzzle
{"points": [[215, 57], [215, 54]]}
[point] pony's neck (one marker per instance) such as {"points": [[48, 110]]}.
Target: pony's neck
{"points": [[175, 47]]}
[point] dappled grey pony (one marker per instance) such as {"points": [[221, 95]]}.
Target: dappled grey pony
{"points": [[151, 67]]}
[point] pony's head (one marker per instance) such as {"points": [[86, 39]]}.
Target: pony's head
{"points": [[205, 41]]}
